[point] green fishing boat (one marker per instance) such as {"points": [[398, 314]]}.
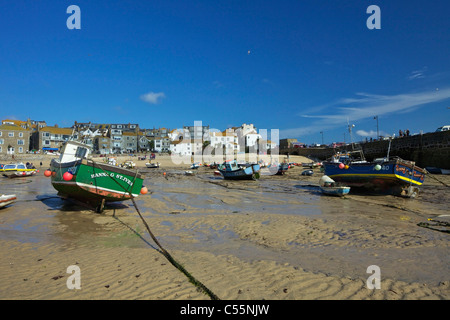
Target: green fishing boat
{"points": [[77, 177]]}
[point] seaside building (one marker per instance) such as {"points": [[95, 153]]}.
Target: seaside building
{"points": [[227, 139], [287, 143], [197, 131], [130, 141], [102, 144], [158, 139], [50, 138], [14, 139]]}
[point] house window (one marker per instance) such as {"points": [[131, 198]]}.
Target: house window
{"points": [[2, 141], [10, 134], [20, 134], [20, 149], [1, 133], [20, 142]]}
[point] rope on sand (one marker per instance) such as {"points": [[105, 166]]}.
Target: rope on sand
{"points": [[431, 176], [176, 264], [165, 253]]}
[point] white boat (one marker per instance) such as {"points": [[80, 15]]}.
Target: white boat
{"points": [[195, 165], [6, 199], [14, 170], [128, 164], [328, 186], [152, 165]]}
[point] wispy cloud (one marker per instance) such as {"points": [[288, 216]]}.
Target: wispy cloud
{"points": [[152, 97], [418, 74], [371, 133], [363, 106]]}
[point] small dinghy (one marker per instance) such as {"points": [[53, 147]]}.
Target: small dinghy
{"points": [[328, 187], [6, 199]]}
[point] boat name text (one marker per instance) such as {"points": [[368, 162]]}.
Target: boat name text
{"points": [[112, 175]]}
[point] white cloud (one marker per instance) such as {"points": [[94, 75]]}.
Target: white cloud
{"points": [[152, 97], [364, 106], [417, 74], [371, 133]]}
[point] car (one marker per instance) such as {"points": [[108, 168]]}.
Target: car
{"points": [[443, 128]]}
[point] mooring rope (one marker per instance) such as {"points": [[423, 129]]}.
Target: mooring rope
{"points": [[175, 263], [164, 252], [429, 174]]}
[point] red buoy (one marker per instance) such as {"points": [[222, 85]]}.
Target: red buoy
{"points": [[144, 190], [67, 176]]}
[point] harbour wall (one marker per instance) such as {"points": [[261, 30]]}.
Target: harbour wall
{"points": [[427, 150]]}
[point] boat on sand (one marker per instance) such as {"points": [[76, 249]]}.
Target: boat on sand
{"points": [[77, 177], [231, 170], [6, 199], [329, 187]]}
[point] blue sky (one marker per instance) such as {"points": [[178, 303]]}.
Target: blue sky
{"points": [[303, 67]]}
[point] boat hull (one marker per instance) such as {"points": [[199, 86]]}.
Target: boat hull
{"points": [[20, 174], [390, 177], [251, 172], [7, 199], [282, 169], [95, 183], [335, 191]]}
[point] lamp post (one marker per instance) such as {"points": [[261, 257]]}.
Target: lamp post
{"points": [[378, 133]]}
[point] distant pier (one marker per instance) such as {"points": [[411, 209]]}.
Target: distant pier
{"points": [[427, 150]]}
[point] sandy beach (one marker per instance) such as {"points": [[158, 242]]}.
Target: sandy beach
{"points": [[276, 238]]}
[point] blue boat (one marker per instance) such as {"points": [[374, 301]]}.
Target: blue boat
{"points": [[387, 176], [195, 165], [282, 168], [231, 170], [335, 191], [329, 187], [279, 168]]}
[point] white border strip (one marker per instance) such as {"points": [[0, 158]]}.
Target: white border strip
{"points": [[92, 186]]}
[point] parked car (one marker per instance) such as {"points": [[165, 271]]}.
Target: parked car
{"points": [[443, 128]]}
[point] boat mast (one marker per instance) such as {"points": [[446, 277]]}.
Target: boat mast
{"points": [[389, 149]]}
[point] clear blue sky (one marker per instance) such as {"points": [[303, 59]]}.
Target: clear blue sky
{"points": [[301, 66]]}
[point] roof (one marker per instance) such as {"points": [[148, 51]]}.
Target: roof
{"points": [[16, 122], [12, 127], [56, 130], [125, 133]]}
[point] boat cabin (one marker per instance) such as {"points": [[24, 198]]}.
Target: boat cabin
{"points": [[14, 167], [74, 151], [230, 165]]}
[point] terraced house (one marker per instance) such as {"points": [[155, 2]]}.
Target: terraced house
{"points": [[14, 139], [50, 138]]}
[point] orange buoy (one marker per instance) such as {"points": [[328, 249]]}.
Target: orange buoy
{"points": [[67, 176], [47, 173], [144, 190]]}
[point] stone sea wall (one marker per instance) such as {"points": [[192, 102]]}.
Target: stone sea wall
{"points": [[427, 150]]}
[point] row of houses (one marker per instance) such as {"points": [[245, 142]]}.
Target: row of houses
{"points": [[19, 137]]}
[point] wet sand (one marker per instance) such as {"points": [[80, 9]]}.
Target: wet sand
{"points": [[276, 238]]}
